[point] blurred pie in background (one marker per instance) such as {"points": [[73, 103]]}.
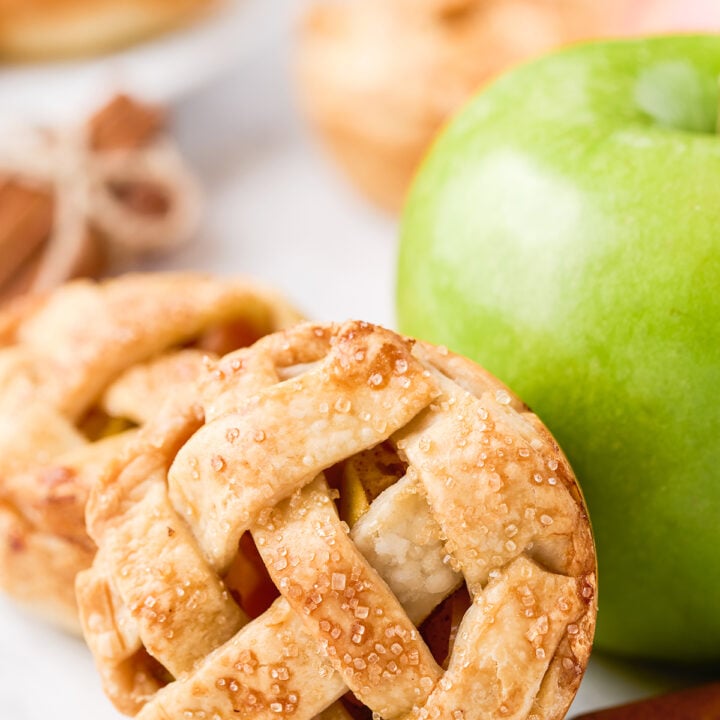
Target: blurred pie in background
{"points": [[378, 78], [50, 29]]}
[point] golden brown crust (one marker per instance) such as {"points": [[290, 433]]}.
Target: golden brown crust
{"points": [[78, 368], [486, 499], [46, 29]]}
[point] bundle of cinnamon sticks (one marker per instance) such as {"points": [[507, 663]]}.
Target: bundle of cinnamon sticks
{"points": [[132, 190]]}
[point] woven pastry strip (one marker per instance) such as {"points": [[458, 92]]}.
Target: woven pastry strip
{"points": [[241, 463], [487, 499]]}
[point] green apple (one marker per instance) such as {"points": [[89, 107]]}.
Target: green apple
{"points": [[565, 232]]}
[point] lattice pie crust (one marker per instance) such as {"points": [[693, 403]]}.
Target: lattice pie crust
{"points": [[485, 499]]}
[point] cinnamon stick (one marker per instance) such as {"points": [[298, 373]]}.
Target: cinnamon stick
{"points": [[698, 703], [124, 124], [26, 216]]}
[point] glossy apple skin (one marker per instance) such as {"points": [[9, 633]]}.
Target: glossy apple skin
{"points": [[565, 232]]}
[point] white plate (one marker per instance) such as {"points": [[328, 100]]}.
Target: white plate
{"points": [[160, 70]]}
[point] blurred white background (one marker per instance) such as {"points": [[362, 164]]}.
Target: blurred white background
{"points": [[277, 209]]}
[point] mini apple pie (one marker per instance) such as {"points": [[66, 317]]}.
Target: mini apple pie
{"points": [[80, 370], [339, 521]]}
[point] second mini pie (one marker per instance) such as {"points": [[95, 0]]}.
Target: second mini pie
{"points": [[81, 369]]}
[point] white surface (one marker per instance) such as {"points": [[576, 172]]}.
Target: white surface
{"points": [[277, 210], [160, 70]]}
